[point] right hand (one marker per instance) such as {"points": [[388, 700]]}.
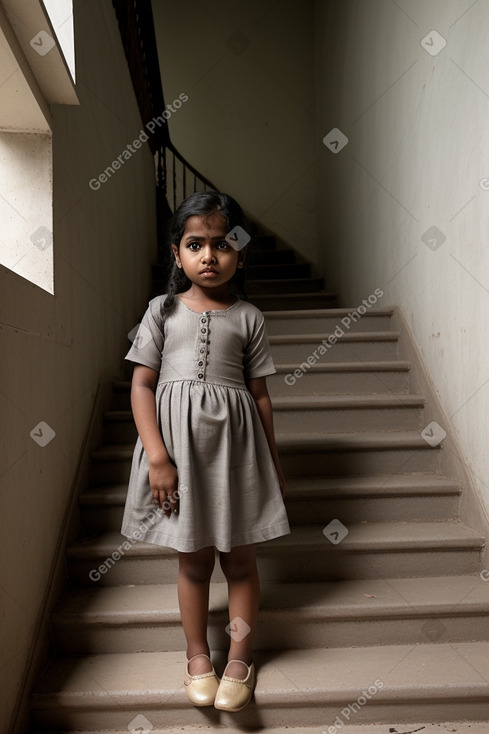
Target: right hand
{"points": [[163, 480]]}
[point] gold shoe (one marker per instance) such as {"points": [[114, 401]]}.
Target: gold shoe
{"points": [[234, 694], [201, 689]]}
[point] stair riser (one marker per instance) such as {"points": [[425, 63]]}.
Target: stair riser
{"points": [[303, 463], [354, 463], [349, 420], [276, 631], [307, 511], [321, 563], [342, 351], [270, 257], [327, 324], [278, 270], [263, 287], [176, 711], [338, 383], [304, 421], [292, 302]]}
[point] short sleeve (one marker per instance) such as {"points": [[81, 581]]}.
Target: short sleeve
{"points": [[148, 343], [257, 358]]}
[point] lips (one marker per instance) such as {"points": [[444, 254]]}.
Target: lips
{"points": [[208, 270]]}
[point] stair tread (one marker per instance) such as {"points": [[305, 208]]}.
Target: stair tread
{"points": [[355, 599], [418, 672], [446, 727], [360, 440], [366, 537], [303, 294], [285, 281], [310, 402], [306, 313], [380, 366], [350, 336], [375, 485]]}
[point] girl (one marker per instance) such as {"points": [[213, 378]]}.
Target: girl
{"points": [[206, 452]]}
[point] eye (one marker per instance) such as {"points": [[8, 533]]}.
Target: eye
{"points": [[194, 246], [224, 245]]}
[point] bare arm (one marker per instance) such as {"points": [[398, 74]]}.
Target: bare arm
{"points": [[257, 386], [163, 476]]}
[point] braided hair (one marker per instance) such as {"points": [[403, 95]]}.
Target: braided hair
{"points": [[198, 204]]}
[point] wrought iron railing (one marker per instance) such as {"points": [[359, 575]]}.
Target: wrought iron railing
{"points": [[175, 177]]}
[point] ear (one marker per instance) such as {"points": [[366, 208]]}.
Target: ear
{"points": [[241, 256], [175, 252]]}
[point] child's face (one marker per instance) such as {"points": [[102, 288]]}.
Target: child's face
{"points": [[203, 253]]}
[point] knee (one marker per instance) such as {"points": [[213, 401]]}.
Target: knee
{"points": [[197, 570], [237, 567]]}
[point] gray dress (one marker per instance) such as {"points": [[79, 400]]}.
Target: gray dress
{"points": [[228, 485]]}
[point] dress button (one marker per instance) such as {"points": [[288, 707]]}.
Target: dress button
{"points": [[200, 363], [203, 320], [202, 350], [203, 339], [200, 375], [204, 331]]}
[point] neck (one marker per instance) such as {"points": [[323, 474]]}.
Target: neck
{"points": [[220, 294]]}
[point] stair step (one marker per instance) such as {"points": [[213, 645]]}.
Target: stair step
{"points": [[351, 347], [367, 550], [299, 687], [348, 413], [446, 727], [312, 413], [328, 454], [270, 257], [293, 301], [371, 499], [375, 452], [353, 613], [327, 320], [263, 242], [340, 378], [276, 271], [283, 285]]}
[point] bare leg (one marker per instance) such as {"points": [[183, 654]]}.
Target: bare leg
{"points": [[239, 567], [194, 575]]}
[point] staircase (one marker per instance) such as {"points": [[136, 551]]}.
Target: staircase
{"points": [[373, 609]]}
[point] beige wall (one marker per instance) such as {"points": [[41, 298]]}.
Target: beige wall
{"points": [[248, 69], [418, 149], [55, 350]]}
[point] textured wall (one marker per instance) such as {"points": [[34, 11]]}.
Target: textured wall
{"points": [[403, 205], [55, 349]]}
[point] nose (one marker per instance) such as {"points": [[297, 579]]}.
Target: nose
{"points": [[207, 254]]}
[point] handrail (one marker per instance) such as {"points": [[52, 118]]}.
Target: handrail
{"points": [[136, 26]]}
